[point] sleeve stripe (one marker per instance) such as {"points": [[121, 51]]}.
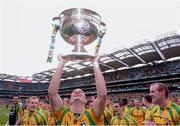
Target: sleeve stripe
{"points": [[176, 108], [89, 118], [37, 120], [23, 119], [171, 114], [108, 113], [43, 118], [113, 118], [63, 114], [127, 121], [175, 112], [130, 117]]}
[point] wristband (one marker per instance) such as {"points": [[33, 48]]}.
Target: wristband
{"points": [[96, 64]]}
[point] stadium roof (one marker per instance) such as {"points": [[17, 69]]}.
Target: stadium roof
{"points": [[159, 50]]}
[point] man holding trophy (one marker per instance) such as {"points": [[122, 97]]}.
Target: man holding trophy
{"points": [[79, 27]]}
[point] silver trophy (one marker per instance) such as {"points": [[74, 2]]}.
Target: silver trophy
{"points": [[80, 27]]}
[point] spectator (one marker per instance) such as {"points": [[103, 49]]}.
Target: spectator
{"points": [[16, 112], [66, 102], [89, 104]]}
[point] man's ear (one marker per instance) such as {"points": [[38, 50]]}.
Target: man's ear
{"points": [[70, 101], [163, 92]]}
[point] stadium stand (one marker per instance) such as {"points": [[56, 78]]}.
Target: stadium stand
{"points": [[126, 71]]}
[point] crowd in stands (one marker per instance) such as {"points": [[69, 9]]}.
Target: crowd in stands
{"points": [[166, 69], [151, 70]]}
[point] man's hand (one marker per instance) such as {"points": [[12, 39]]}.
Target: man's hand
{"points": [[96, 59], [62, 59]]}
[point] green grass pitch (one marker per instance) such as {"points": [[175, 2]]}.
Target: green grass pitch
{"points": [[3, 115]]}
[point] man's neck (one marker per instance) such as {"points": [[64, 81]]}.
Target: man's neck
{"points": [[16, 104], [163, 103], [137, 107], [77, 107], [121, 115], [150, 105], [31, 113]]}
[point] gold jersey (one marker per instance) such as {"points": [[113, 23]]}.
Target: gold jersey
{"points": [[66, 117]]}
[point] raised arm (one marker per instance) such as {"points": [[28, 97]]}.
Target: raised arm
{"points": [[55, 99], [99, 103]]}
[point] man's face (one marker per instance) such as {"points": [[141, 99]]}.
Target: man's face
{"points": [[45, 106], [108, 102], [117, 108], [178, 101], [27, 103], [66, 102], [33, 104], [78, 94], [91, 104], [50, 109], [155, 94], [132, 102], [41, 104], [145, 102], [137, 103], [15, 99]]}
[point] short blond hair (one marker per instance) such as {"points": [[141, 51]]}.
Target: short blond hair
{"points": [[32, 97], [162, 87]]}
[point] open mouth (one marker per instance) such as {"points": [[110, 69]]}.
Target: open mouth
{"points": [[77, 95]]}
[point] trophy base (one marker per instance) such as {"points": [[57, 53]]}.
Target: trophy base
{"points": [[79, 56]]}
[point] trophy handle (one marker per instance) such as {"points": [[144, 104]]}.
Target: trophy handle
{"points": [[55, 29], [101, 34], [55, 18], [102, 29]]}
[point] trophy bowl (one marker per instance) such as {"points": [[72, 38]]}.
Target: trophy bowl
{"points": [[79, 27]]}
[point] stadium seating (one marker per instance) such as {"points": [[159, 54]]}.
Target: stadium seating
{"points": [[122, 81]]}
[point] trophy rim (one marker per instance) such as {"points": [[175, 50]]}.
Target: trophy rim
{"points": [[74, 10]]}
